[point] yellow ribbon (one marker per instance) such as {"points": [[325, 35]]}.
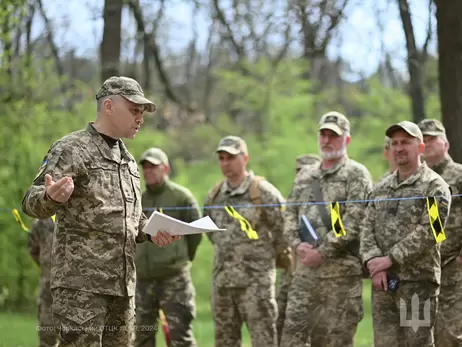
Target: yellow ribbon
{"points": [[245, 225], [337, 225], [18, 219], [435, 220], [161, 211], [53, 218]]}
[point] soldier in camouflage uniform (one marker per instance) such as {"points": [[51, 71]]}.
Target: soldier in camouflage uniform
{"points": [[39, 245], [92, 183], [285, 276], [325, 298], [397, 242], [164, 274], [448, 326], [244, 267]]}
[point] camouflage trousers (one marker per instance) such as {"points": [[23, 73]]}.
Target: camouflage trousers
{"points": [[395, 318], [176, 297], [282, 292], [322, 312], [254, 305], [46, 329], [91, 319], [448, 326]]}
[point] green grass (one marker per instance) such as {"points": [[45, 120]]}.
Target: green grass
{"points": [[19, 330]]}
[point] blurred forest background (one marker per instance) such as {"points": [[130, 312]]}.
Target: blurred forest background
{"points": [[262, 69]]}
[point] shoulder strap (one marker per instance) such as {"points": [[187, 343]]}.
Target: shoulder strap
{"points": [[316, 187], [214, 192], [254, 190]]}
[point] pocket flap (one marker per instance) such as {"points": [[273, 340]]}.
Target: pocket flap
{"points": [[75, 314]]}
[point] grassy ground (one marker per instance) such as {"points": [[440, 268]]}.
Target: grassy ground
{"points": [[19, 330]]}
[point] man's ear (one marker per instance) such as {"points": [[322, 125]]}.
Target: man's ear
{"points": [[421, 147]]}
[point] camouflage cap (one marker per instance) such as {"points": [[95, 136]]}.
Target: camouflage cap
{"points": [[432, 127], [335, 121], [409, 127], [128, 88], [306, 159], [155, 156], [232, 145]]}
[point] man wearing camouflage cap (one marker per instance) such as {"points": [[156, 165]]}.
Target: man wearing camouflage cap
{"points": [[400, 243], [164, 274], [325, 297], [448, 327], [92, 183], [244, 267]]}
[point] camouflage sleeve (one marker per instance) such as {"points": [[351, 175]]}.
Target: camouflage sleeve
{"points": [[421, 238], [142, 237], [273, 214], [33, 243], [352, 214], [191, 214], [60, 161], [368, 247], [291, 223]]}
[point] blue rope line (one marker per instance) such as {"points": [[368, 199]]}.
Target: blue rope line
{"points": [[250, 205]]}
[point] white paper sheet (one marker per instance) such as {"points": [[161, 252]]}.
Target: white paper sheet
{"points": [[161, 222]]}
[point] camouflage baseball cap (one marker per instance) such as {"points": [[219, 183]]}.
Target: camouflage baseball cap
{"points": [[306, 159], [335, 121], [155, 156], [409, 127], [232, 145], [128, 88], [432, 127]]}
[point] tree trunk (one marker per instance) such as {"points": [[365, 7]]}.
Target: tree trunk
{"points": [[110, 45], [413, 63], [449, 27]]}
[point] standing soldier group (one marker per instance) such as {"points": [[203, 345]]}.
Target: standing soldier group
{"points": [[394, 231]]}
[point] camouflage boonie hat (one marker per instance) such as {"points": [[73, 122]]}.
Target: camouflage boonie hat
{"points": [[432, 127], [128, 88], [155, 156], [336, 122], [306, 159], [233, 145], [409, 127]]}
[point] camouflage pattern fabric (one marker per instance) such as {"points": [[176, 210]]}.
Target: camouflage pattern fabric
{"points": [[96, 229], [400, 228], [389, 330], [39, 246], [244, 267], [341, 271], [253, 305], [128, 88], [92, 320], [448, 328], [176, 297], [282, 292]]}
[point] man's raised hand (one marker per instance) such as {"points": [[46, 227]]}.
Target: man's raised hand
{"points": [[59, 191]]}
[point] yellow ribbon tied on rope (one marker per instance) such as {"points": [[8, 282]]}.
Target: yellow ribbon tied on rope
{"points": [[245, 225], [53, 218], [435, 220], [337, 225], [19, 220]]}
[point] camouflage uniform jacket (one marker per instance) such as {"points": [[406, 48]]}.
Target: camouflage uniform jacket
{"points": [[348, 180], [238, 260], [98, 227], [39, 246], [400, 227], [451, 172]]}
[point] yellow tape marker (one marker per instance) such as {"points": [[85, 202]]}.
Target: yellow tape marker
{"points": [[245, 225], [18, 219], [435, 220], [337, 225]]}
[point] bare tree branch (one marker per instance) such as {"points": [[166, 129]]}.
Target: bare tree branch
{"points": [[424, 54], [238, 48]]}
